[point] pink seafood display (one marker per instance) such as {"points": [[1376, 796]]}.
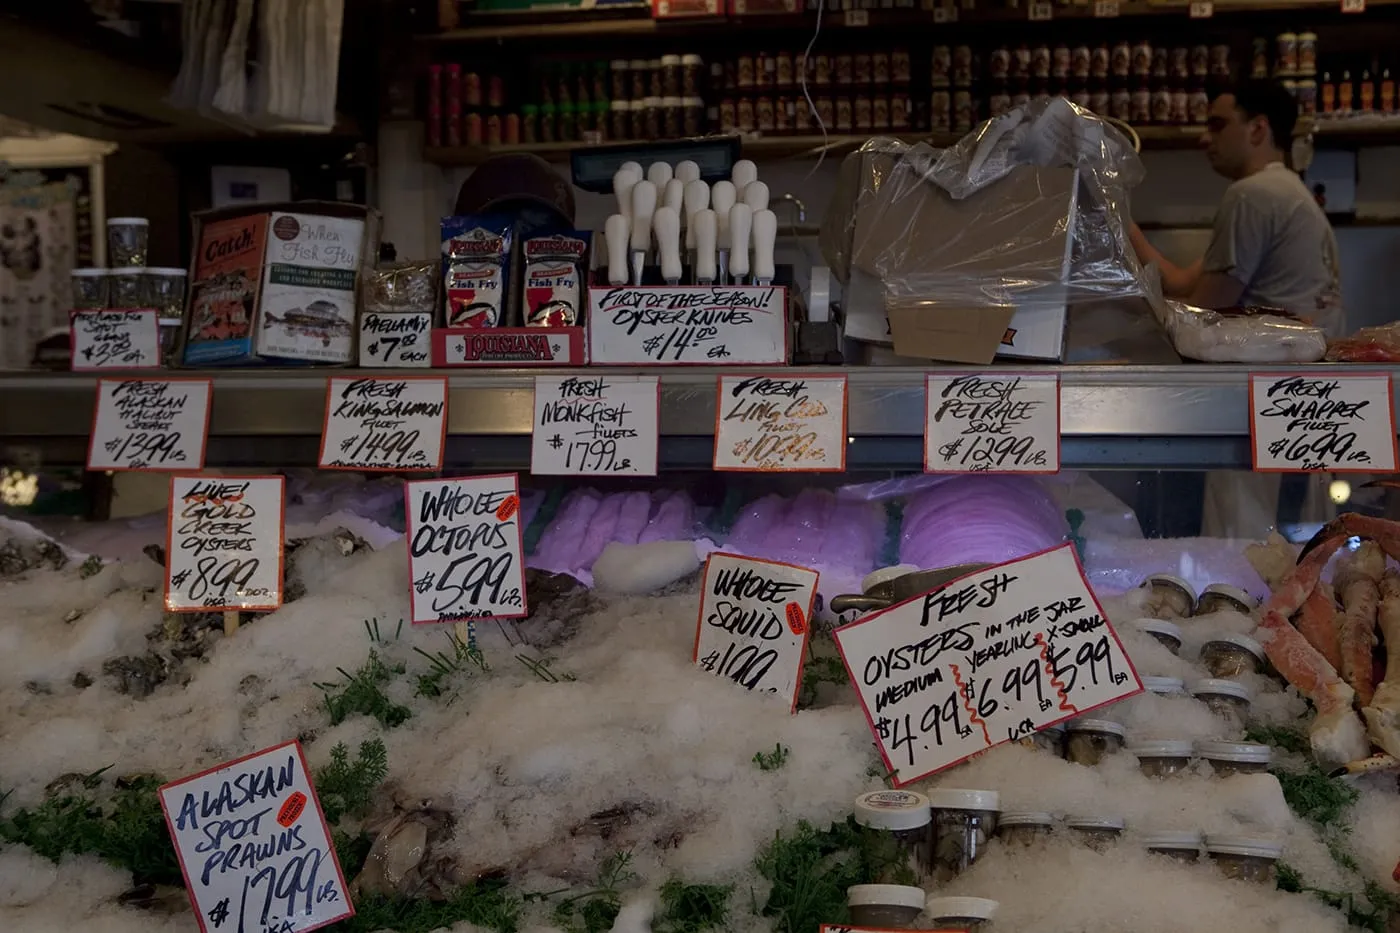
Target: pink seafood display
{"points": [[588, 521], [979, 519], [837, 537]]}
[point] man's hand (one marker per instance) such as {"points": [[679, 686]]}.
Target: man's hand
{"points": [[1177, 282]]}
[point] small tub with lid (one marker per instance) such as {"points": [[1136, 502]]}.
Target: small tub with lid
{"points": [[1087, 741], [963, 821], [1050, 739], [1236, 757], [1165, 686], [885, 906], [896, 824], [1169, 597], [1165, 632], [960, 913], [1180, 846], [1024, 827], [1162, 757], [1245, 858], [1220, 597], [1231, 655], [1228, 699], [1096, 832]]}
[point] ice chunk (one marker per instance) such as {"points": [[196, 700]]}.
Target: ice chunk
{"points": [[643, 568]]}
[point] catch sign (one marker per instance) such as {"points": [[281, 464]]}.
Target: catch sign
{"points": [[603, 425], [465, 551], [984, 423], [384, 424], [224, 543], [1314, 423], [695, 325], [254, 847], [989, 658], [150, 424], [798, 424], [754, 616], [114, 339]]}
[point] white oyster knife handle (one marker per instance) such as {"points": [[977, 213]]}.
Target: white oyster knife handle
{"points": [[743, 173], [616, 234], [765, 234], [697, 198], [740, 226], [658, 173], [687, 171], [666, 223], [705, 238], [673, 195], [643, 206], [756, 196], [623, 181], [722, 198]]}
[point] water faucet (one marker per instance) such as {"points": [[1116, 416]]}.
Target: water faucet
{"points": [[799, 210]]}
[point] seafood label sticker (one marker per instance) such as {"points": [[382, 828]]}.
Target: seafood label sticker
{"points": [[150, 424], [224, 543], [768, 424], [254, 847], [989, 658], [754, 616], [114, 340], [604, 425], [1322, 423], [384, 424], [401, 340], [465, 551], [695, 325], [980, 423]]}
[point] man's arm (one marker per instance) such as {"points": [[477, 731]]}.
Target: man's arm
{"points": [[1177, 281]]}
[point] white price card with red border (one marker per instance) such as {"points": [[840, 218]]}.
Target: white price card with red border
{"points": [[596, 425], [150, 424], [384, 423], [754, 617], [114, 339], [254, 846], [989, 658], [396, 340], [223, 543], [738, 325], [1309, 422], [992, 423], [466, 556], [771, 423]]}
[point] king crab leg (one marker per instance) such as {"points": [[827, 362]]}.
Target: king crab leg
{"points": [[1383, 712], [1358, 580], [1317, 620]]}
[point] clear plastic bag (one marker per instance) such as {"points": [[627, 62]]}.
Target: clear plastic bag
{"points": [[1221, 337]]}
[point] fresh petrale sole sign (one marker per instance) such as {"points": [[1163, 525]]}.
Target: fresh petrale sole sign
{"points": [[688, 325], [753, 623], [465, 555], [254, 847], [224, 543], [1315, 422], [989, 658]]}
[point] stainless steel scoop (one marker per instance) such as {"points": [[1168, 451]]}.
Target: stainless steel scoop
{"points": [[889, 592]]}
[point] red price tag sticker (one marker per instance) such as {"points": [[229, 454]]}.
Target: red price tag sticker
{"points": [[508, 508], [796, 621], [291, 810]]}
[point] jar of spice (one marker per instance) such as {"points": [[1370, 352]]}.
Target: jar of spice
{"points": [[900, 70], [619, 84], [845, 121], [864, 113], [671, 117], [844, 71], [1176, 845], [693, 115], [1096, 832], [784, 74], [1231, 655], [784, 113], [671, 76], [744, 72], [748, 121], [899, 111], [651, 117], [862, 68], [1228, 699], [728, 115], [1229, 758], [963, 821], [885, 906], [548, 122], [896, 829], [1162, 631], [765, 73], [620, 120], [1245, 858], [1087, 741], [1158, 759], [1220, 597], [692, 75], [880, 68], [880, 114], [640, 74], [821, 70], [654, 78], [969, 914], [765, 114], [1024, 828]]}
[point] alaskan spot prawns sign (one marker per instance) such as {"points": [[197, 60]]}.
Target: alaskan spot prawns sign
{"points": [[989, 658]]}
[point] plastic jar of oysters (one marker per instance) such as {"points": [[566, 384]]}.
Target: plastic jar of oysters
{"points": [[1096, 832], [127, 286], [1169, 597], [1228, 699], [1024, 827], [1245, 858], [127, 239], [1165, 632], [885, 906], [1087, 741], [90, 289], [1231, 655], [165, 290], [897, 823], [1222, 596], [960, 913], [1162, 758], [1165, 686], [1180, 846], [1050, 739], [963, 821], [1236, 757]]}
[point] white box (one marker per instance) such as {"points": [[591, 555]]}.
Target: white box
{"points": [[307, 312]]}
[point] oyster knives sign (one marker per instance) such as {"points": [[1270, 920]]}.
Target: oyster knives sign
{"points": [[989, 658]]}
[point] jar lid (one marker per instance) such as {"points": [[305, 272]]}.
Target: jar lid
{"points": [[892, 810], [1161, 748], [128, 270], [959, 798], [650, 102], [89, 273], [692, 101], [1172, 581], [1158, 627], [164, 270], [1307, 36], [621, 104], [1238, 641], [884, 575], [654, 63], [1231, 592], [639, 64], [1286, 35], [170, 321], [1254, 846], [1249, 752], [962, 908], [619, 64], [898, 895], [128, 221], [669, 60], [1025, 818], [1172, 839], [670, 101], [1229, 688], [1097, 725], [1164, 685], [692, 59], [1094, 822]]}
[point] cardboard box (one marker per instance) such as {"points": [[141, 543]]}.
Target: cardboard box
{"points": [[307, 310], [225, 279]]}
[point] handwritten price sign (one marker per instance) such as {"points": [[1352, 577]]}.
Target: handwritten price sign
{"points": [[691, 325], [224, 543], [399, 340], [600, 425], [1311, 423], [753, 623], [384, 424], [253, 845], [980, 423], [150, 424], [989, 658], [781, 424], [465, 553], [114, 339]]}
